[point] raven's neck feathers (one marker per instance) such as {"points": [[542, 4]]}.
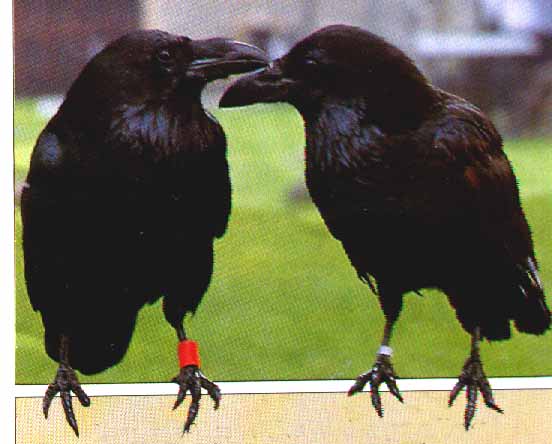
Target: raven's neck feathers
{"points": [[396, 104], [339, 137], [161, 129], [164, 128], [340, 130]]}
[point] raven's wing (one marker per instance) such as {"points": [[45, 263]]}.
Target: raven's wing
{"points": [[44, 214], [200, 179], [485, 191], [484, 185], [220, 190]]}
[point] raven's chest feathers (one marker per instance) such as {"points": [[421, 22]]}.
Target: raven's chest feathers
{"points": [[164, 138], [357, 173], [349, 162], [338, 141], [156, 161]]}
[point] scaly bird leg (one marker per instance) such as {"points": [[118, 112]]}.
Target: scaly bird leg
{"points": [[474, 379], [65, 381], [192, 379], [382, 371]]}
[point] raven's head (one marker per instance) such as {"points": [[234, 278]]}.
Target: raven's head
{"points": [[335, 63], [151, 65]]}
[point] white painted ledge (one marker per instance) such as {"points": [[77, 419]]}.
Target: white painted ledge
{"points": [[266, 387]]}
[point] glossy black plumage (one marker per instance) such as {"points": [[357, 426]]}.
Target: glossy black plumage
{"points": [[127, 190], [411, 179], [108, 229], [437, 207]]}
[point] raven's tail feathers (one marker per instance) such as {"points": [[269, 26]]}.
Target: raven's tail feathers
{"points": [[533, 315], [93, 348]]}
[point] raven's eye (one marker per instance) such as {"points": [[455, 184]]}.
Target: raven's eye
{"points": [[311, 63], [164, 56]]}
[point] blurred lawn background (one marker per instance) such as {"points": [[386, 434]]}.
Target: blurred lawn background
{"points": [[284, 302]]}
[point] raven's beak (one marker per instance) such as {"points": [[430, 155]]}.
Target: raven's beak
{"points": [[218, 58], [268, 85]]}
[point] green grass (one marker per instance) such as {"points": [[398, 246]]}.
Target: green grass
{"points": [[284, 302]]}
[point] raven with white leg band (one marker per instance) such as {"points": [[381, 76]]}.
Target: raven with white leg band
{"points": [[382, 370], [414, 183]]}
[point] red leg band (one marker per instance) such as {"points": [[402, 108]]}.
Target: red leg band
{"points": [[188, 353]]}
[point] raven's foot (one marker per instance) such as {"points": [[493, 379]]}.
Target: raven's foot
{"points": [[474, 379], [381, 372], [65, 381], [190, 378]]}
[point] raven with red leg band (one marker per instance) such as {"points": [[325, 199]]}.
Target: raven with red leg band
{"points": [[127, 190], [190, 378]]}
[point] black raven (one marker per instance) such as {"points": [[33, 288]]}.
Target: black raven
{"points": [[127, 189], [414, 183]]}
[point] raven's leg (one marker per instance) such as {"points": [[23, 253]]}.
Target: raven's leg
{"points": [[65, 381], [190, 376], [382, 370], [473, 378]]}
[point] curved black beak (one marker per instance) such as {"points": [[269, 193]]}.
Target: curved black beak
{"points": [[218, 58], [267, 85]]}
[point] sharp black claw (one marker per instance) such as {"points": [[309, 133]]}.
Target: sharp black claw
{"points": [[380, 373], [359, 384], [65, 381], [475, 380], [376, 401], [81, 396], [179, 398], [395, 391], [454, 392], [74, 426], [213, 391], [191, 379], [471, 405], [487, 393], [47, 400], [494, 407]]}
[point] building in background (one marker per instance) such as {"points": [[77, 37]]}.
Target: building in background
{"points": [[490, 51], [53, 39]]}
